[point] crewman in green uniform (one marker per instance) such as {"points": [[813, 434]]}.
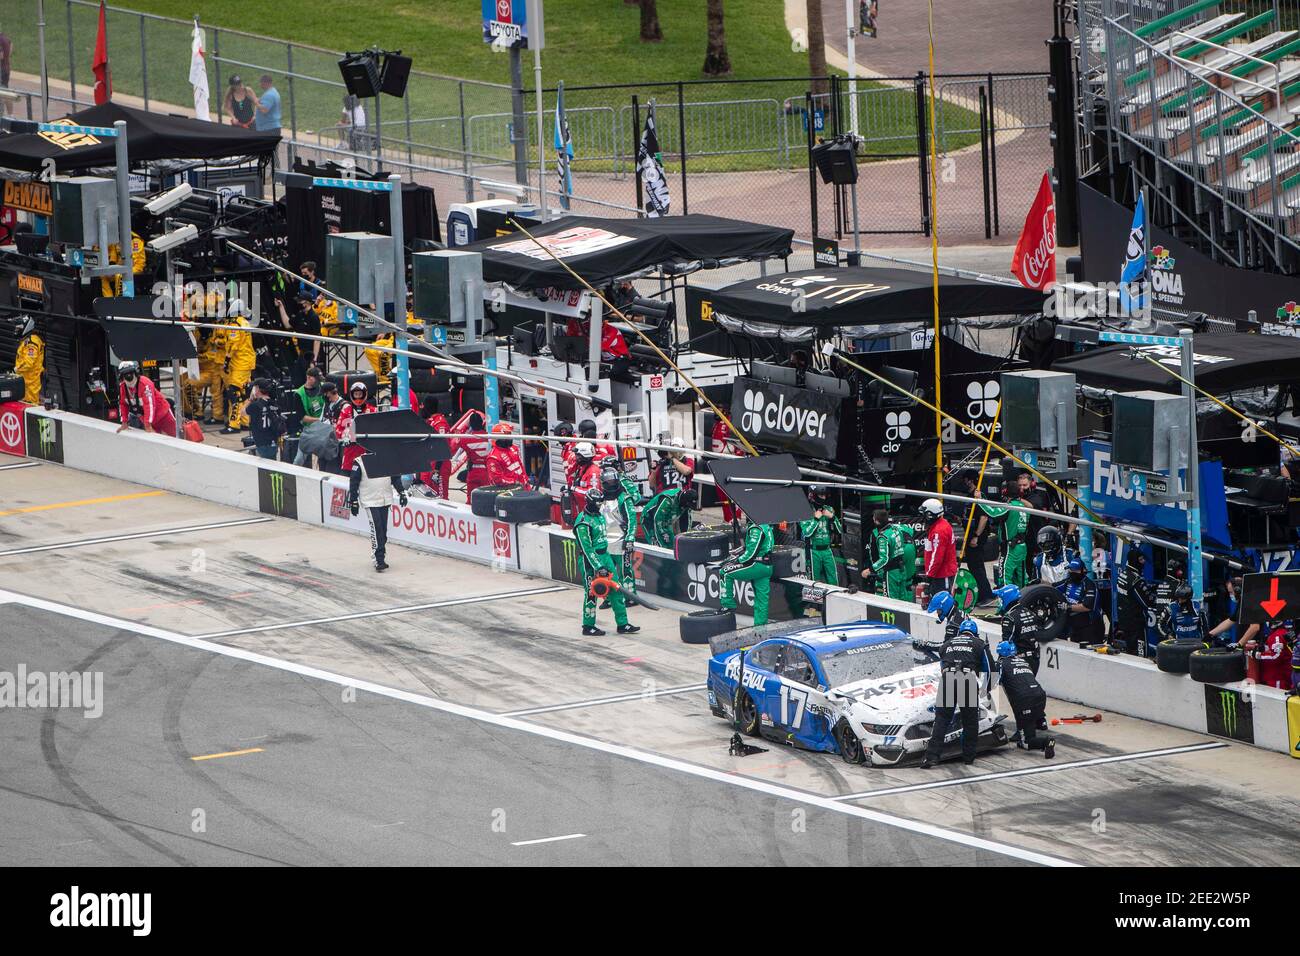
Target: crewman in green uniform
{"points": [[660, 517], [748, 565], [816, 532], [622, 496], [590, 533], [1013, 553], [895, 557]]}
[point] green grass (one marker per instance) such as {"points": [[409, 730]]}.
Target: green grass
{"points": [[589, 43]]}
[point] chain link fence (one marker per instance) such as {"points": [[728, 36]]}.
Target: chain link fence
{"points": [[731, 148]]}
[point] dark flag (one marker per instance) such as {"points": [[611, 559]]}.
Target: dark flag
{"points": [[650, 162]]}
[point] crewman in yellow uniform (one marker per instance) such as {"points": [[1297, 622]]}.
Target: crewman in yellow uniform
{"points": [[112, 285], [212, 360], [381, 362], [240, 363], [29, 360]]}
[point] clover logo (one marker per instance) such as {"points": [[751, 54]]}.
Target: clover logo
{"points": [[752, 418], [696, 589], [899, 426], [983, 399]]}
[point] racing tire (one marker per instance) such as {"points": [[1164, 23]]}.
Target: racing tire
{"points": [[747, 714], [704, 546], [1050, 609], [1217, 665], [851, 749], [1174, 657], [700, 627], [521, 506], [483, 502]]}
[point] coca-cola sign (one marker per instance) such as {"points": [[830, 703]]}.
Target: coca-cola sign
{"points": [[1034, 262]]}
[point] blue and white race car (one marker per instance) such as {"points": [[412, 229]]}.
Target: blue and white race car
{"points": [[863, 690]]}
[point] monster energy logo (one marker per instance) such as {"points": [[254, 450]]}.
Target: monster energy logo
{"points": [[1228, 707], [277, 492], [46, 436], [570, 552]]}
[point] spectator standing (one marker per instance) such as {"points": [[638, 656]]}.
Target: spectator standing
{"points": [[241, 103], [267, 117], [264, 422], [352, 123], [311, 399], [140, 404]]}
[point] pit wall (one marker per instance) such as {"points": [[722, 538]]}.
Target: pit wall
{"points": [[1120, 684]]}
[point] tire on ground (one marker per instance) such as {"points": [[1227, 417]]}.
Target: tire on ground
{"points": [[1217, 665], [699, 627], [520, 506], [1060, 622], [1173, 656], [483, 501], [702, 546]]}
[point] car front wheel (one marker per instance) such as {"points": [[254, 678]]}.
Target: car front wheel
{"points": [[850, 745]]}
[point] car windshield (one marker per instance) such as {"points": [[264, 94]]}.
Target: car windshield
{"points": [[869, 662]]}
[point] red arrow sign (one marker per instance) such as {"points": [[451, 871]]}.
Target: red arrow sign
{"points": [[1273, 606]]}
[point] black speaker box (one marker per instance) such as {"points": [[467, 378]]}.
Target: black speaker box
{"points": [[392, 79], [360, 74], [836, 163]]}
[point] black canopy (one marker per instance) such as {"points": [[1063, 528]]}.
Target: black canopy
{"points": [[601, 250], [832, 298], [150, 136], [1224, 362]]}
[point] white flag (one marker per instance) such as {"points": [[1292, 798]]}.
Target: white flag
{"points": [[199, 75]]}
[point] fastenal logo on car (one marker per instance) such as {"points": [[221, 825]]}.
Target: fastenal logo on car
{"points": [[74, 909]]}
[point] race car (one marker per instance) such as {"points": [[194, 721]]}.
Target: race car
{"points": [[863, 690]]}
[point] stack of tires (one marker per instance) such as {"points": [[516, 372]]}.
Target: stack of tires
{"points": [[1206, 665]]}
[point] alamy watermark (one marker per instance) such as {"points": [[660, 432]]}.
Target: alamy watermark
{"points": [[75, 690]]}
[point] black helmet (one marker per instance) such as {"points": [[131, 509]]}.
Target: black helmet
{"points": [[127, 368], [1183, 593], [595, 498], [564, 430], [1049, 540], [26, 326], [1175, 568], [587, 428]]}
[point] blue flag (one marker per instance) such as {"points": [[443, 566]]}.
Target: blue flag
{"points": [[563, 148], [1135, 262]]}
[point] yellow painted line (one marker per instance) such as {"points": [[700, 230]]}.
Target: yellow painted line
{"points": [[83, 501], [231, 753]]}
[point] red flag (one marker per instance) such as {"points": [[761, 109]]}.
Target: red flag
{"points": [[103, 78], [1034, 262]]}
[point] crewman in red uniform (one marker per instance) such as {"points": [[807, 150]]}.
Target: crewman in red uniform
{"points": [[505, 465], [438, 478], [471, 451], [586, 473], [724, 444], [358, 403]]}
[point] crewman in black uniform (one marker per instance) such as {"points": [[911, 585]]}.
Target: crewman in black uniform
{"points": [[1027, 698], [961, 661], [1019, 626]]}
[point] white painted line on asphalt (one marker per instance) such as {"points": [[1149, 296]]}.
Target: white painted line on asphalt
{"points": [[133, 536], [21, 464], [714, 775], [599, 701], [567, 836], [381, 612], [1045, 767]]}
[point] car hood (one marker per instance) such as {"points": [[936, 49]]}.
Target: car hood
{"points": [[901, 698]]}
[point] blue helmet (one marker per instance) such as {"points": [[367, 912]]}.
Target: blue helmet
{"points": [[1006, 649], [941, 605], [1008, 594], [968, 626]]}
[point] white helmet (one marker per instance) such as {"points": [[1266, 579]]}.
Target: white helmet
{"points": [[676, 442], [236, 307], [932, 507], [585, 449]]}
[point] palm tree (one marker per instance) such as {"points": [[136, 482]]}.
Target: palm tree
{"points": [[816, 45], [650, 32], [716, 60]]}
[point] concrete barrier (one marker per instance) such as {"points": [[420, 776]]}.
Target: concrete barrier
{"points": [[1122, 684]]}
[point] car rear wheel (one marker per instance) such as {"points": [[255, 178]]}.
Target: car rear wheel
{"points": [[747, 714], [851, 749]]}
